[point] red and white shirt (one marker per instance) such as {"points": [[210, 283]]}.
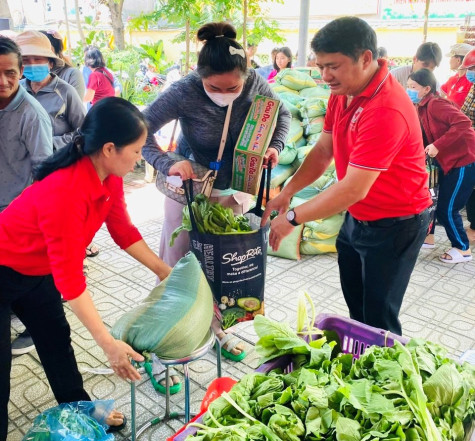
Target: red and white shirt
{"points": [[46, 229], [456, 89], [380, 130]]}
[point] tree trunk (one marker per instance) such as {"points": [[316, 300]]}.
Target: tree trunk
{"points": [[426, 20], [115, 8], [78, 24], [244, 24], [187, 42]]}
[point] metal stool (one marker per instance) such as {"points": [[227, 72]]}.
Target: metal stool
{"points": [[208, 343]]}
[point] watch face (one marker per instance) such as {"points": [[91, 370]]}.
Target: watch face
{"points": [[290, 215]]}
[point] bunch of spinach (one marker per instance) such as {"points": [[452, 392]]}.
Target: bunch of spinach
{"points": [[211, 218], [404, 393]]}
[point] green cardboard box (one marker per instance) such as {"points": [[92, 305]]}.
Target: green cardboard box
{"points": [[252, 144]]}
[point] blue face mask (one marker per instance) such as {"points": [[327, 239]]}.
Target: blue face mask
{"points": [[470, 75], [36, 72], [413, 95]]}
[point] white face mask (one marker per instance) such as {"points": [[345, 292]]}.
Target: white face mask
{"points": [[222, 99]]}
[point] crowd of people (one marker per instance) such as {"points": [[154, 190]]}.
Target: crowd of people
{"points": [[63, 163]]}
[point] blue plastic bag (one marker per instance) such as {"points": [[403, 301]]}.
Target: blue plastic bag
{"points": [[77, 421]]}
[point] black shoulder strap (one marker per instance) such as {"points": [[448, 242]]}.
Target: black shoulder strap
{"points": [[103, 72]]}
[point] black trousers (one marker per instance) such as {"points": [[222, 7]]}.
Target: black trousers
{"points": [[37, 303], [376, 262], [470, 207]]}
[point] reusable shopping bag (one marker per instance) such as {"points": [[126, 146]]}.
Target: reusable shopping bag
{"points": [[235, 264]]}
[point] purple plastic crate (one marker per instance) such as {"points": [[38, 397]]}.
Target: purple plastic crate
{"points": [[354, 337]]}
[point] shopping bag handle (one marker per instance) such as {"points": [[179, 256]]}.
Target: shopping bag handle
{"points": [[433, 172], [265, 183], [188, 186]]}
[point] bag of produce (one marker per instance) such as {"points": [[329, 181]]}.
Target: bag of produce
{"points": [[280, 173], [292, 108], [289, 248], [176, 316], [295, 131], [315, 92], [279, 88], [315, 125], [79, 420], [291, 97], [323, 229], [288, 154], [295, 80], [312, 139], [313, 107]]}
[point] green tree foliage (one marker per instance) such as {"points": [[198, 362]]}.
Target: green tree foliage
{"points": [[191, 14]]}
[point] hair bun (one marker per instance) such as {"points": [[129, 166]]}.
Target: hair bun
{"points": [[212, 31]]}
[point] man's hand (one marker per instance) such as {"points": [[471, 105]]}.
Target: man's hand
{"points": [[182, 169], [280, 227], [272, 156], [280, 203], [431, 150]]}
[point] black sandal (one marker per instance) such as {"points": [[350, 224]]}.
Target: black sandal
{"points": [[118, 428]]}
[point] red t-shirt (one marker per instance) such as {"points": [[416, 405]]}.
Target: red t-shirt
{"points": [[102, 82], [46, 229], [380, 130], [457, 89]]}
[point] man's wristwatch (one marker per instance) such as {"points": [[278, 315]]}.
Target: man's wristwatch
{"points": [[290, 216]]}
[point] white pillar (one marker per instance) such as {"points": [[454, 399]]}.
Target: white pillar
{"points": [[303, 32]]}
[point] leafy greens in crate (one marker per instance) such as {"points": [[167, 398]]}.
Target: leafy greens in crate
{"points": [[400, 393]]}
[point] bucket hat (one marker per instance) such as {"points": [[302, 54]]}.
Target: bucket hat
{"points": [[36, 43], [460, 49]]}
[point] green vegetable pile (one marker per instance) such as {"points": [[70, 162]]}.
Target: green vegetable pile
{"points": [[212, 218], [404, 393]]}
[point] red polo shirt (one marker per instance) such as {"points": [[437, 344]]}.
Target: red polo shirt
{"points": [[46, 229], [457, 89], [380, 130]]}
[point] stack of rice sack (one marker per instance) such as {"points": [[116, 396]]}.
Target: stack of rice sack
{"points": [[307, 102]]}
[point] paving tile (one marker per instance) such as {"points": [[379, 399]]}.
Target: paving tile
{"points": [[439, 305]]}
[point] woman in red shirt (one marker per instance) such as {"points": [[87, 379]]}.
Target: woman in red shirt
{"points": [[450, 139], [101, 82], [75, 191]]}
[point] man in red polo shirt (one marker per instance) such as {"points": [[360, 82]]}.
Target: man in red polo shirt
{"points": [[456, 88], [372, 131]]}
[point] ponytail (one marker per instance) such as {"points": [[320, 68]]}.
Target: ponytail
{"points": [[64, 157], [111, 119]]}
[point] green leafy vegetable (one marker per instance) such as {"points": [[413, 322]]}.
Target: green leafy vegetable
{"points": [[403, 393], [212, 218]]}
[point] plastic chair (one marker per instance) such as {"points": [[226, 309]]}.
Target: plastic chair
{"points": [[201, 351]]}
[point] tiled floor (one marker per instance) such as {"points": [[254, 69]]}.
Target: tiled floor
{"points": [[439, 305]]}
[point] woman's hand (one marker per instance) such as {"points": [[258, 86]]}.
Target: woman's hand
{"points": [[119, 353], [271, 155], [431, 150], [116, 351], [182, 169]]}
